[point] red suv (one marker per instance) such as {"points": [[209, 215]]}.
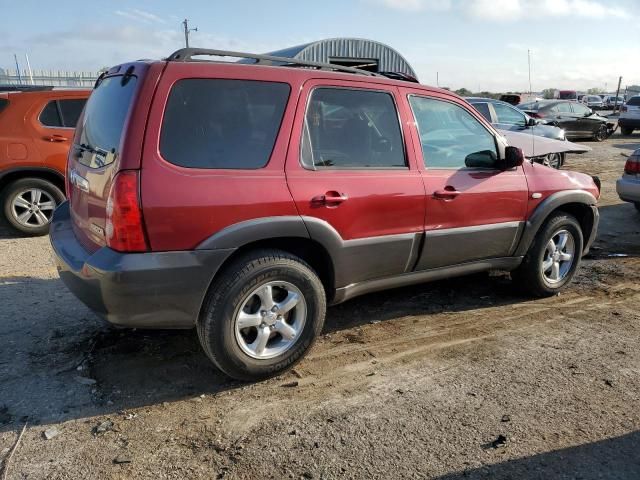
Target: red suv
{"points": [[243, 198]]}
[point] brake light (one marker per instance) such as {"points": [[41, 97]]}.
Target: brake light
{"points": [[632, 167], [124, 228]]}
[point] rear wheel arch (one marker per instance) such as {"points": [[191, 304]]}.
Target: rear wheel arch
{"points": [[48, 174]]}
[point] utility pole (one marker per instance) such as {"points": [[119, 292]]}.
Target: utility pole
{"points": [[615, 105], [529, 61], [26, 56], [187, 30], [15, 57], [437, 79]]}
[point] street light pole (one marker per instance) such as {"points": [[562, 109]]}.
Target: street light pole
{"points": [[185, 24]]}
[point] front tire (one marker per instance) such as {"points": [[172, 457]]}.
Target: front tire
{"points": [[553, 258], [262, 314], [601, 134], [28, 205]]}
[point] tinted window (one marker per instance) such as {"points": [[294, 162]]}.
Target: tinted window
{"points": [[213, 123], [564, 107], [483, 108], [3, 103], [580, 109], [634, 101], [449, 134], [509, 115], [71, 110], [104, 118], [49, 117], [346, 128]]}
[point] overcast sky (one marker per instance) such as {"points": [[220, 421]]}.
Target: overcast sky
{"points": [[477, 44]]}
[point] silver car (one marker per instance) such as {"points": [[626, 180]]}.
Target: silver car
{"points": [[628, 186]]}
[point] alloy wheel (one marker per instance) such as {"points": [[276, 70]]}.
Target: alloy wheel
{"points": [[33, 207], [270, 320], [558, 257]]}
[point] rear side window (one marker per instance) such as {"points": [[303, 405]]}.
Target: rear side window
{"points": [[50, 117], [634, 101], [509, 115], [349, 128], [71, 110], [483, 108], [3, 104], [222, 124]]}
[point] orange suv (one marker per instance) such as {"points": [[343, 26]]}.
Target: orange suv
{"points": [[36, 130]]}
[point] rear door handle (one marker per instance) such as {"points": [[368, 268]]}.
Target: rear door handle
{"points": [[446, 194], [56, 138], [329, 199]]}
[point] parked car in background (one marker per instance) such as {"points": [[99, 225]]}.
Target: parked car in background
{"points": [[628, 187], [566, 95], [36, 129], [507, 117], [629, 119], [577, 120], [580, 96], [241, 199], [517, 98], [612, 100], [594, 102]]}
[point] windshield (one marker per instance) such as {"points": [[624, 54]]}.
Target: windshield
{"points": [[105, 114]]}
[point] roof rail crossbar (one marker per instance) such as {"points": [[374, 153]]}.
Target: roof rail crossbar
{"points": [[187, 54]]}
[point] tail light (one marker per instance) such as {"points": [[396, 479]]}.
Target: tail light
{"points": [[632, 167], [124, 228]]}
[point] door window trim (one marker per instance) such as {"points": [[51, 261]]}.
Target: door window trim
{"points": [[421, 152], [314, 168]]}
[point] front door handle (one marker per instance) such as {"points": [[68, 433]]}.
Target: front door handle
{"points": [[56, 138], [329, 199], [449, 193]]}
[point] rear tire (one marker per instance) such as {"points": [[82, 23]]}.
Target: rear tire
{"points": [[246, 329], [28, 205], [546, 268], [626, 130]]}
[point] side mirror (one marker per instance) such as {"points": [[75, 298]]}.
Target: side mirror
{"points": [[589, 113], [513, 157], [531, 122], [481, 159]]}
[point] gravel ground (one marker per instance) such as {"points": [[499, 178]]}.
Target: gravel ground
{"points": [[456, 379]]}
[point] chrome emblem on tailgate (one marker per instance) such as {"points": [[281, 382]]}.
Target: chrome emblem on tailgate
{"points": [[79, 181]]}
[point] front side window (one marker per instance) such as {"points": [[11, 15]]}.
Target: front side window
{"points": [[221, 123], [509, 116], [451, 137], [563, 107], [349, 128], [580, 110]]}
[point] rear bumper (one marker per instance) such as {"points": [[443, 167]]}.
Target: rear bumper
{"points": [[629, 122], [144, 290], [628, 189]]}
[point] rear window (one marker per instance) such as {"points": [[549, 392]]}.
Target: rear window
{"points": [[104, 117], [634, 101], [222, 124]]}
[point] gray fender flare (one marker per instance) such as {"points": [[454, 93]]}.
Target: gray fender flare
{"points": [[546, 207]]}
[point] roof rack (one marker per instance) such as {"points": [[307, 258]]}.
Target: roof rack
{"points": [[187, 54]]}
